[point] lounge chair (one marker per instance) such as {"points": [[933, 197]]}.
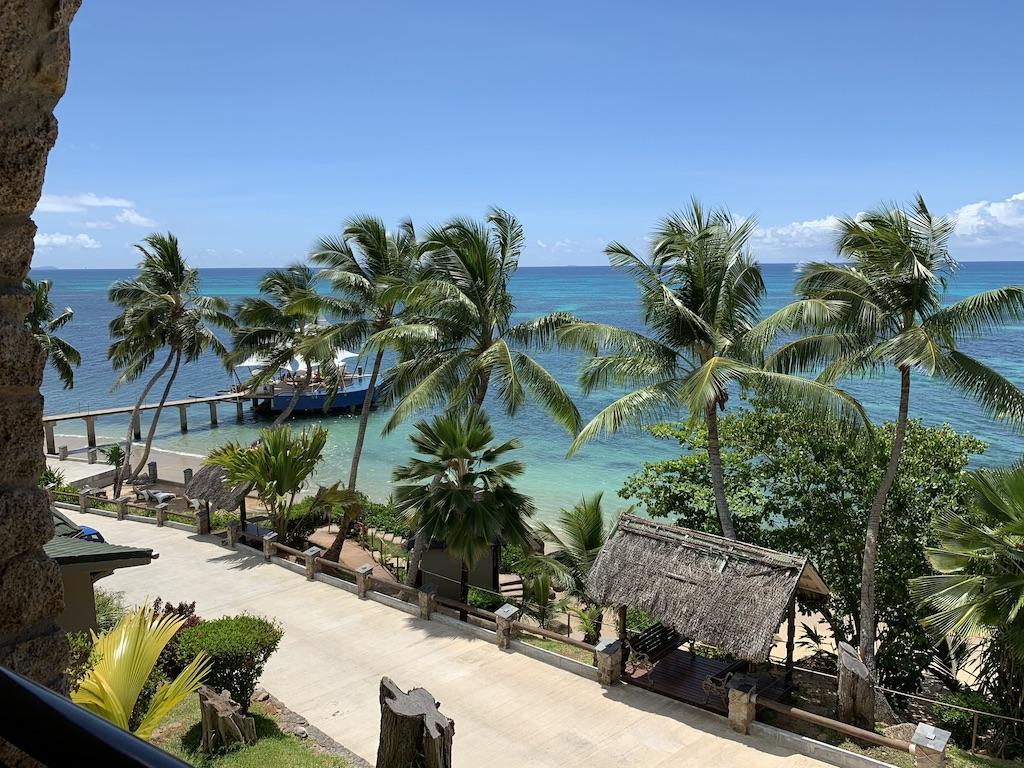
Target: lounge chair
{"points": [[161, 497], [141, 493]]}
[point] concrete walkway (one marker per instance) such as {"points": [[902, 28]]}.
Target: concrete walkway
{"points": [[509, 710]]}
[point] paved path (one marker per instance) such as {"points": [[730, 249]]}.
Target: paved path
{"points": [[509, 710]]}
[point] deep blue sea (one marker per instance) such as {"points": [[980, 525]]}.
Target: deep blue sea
{"points": [[595, 293]]}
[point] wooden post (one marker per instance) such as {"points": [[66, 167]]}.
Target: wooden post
{"points": [[239, 410], [363, 580], [269, 545], [213, 413], [152, 472], [187, 474], [232, 534], [137, 427], [310, 556], [426, 599], [203, 519], [122, 507], [90, 431], [621, 616], [183, 417], [413, 732], [161, 513], [223, 721], [790, 639], [241, 513], [51, 443]]}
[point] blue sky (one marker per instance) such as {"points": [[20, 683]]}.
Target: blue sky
{"points": [[249, 129]]}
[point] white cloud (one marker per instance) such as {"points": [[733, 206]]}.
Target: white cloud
{"points": [[983, 222], [133, 217], [58, 239], [78, 203], [98, 224]]}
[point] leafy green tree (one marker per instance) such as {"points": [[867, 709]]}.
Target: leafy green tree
{"points": [[288, 322], [161, 309], [701, 294], [278, 466], [43, 321], [373, 268], [806, 487], [115, 457], [883, 310], [465, 340], [978, 590], [459, 490]]}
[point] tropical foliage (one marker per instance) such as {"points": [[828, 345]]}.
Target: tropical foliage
{"points": [[701, 295], [464, 340], [161, 310], [807, 487], [458, 489], [44, 322], [882, 310], [125, 658]]}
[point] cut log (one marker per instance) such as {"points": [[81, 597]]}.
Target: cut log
{"points": [[413, 732], [224, 723], [856, 693]]}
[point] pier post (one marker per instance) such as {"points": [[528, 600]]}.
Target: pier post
{"points": [[239, 412], [137, 427], [90, 431], [152, 472], [187, 474], [91, 455], [183, 417], [213, 414], [51, 443]]}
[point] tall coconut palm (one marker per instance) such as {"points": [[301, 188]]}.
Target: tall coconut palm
{"points": [[290, 322], [459, 491], [371, 267], [43, 321], [577, 537], [161, 309], [883, 310], [701, 294], [465, 340]]}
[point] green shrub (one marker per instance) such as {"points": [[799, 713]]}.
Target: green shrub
{"points": [[302, 521], [110, 608], [384, 517], [81, 658], [960, 723], [238, 647], [638, 621], [219, 519], [489, 601], [512, 557], [51, 476]]}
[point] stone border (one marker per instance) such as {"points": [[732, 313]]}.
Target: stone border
{"points": [[291, 722]]}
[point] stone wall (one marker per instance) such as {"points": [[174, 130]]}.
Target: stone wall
{"points": [[34, 56]]}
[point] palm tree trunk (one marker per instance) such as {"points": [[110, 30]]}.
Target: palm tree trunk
{"points": [[127, 465], [364, 420], [464, 591], [481, 390], [296, 394], [156, 415], [868, 628], [717, 478]]}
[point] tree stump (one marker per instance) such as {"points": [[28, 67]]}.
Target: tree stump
{"points": [[856, 689], [413, 732], [224, 724]]}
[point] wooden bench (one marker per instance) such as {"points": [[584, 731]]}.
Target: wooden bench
{"points": [[643, 650]]}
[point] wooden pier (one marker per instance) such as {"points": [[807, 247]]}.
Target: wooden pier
{"points": [[238, 398]]}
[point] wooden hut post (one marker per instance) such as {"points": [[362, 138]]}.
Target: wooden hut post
{"points": [[203, 518], [790, 639], [412, 729], [241, 512]]}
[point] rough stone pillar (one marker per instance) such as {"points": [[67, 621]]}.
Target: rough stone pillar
{"points": [[742, 710], [504, 617], [152, 472], [83, 501], [363, 580], [609, 662], [233, 535], [161, 513], [269, 545], [91, 456], [426, 597], [187, 475], [62, 453], [310, 556], [122, 506], [928, 746], [203, 520], [34, 56]]}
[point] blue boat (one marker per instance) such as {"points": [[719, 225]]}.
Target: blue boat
{"points": [[275, 396], [349, 398]]}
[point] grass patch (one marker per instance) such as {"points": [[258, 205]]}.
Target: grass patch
{"points": [[181, 733], [955, 757], [562, 649]]}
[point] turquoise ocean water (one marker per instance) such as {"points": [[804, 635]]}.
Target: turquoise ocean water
{"points": [[595, 293]]}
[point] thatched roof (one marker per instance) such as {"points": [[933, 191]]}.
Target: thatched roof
{"points": [[717, 591], [208, 484]]}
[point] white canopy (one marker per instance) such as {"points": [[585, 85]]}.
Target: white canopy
{"points": [[296, 364]]}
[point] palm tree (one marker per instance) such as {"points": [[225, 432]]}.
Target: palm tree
{"points": [[125, 658], [161, 309], [465, 339], [43, 321], [460, 491], [277, 466], [287, 323], [701, 294], [372, 267], [577, 536], [115, 457], [884, 309]]}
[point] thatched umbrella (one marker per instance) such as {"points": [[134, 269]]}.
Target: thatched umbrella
{"points": [[208, 484]]}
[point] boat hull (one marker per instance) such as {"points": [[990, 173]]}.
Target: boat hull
{"points": [[350, 399]]}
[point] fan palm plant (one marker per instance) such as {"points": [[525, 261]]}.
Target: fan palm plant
{"points": [[371, 267], [459, 490], [126, 656], [161, 309], [277, 466], [465, 340], [883, 310], [43, 321], [701, 295], [289, 322]]}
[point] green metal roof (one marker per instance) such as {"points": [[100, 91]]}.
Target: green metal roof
{"points": [[62, 526], [67, 550]]}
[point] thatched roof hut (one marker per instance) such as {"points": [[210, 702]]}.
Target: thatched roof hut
{"points": [[208, 484], [717, 591]]}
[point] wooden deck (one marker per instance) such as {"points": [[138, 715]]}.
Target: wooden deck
{"points": [[680, 675]]}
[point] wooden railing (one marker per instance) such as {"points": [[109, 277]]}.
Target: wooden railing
{"points": [[551, 635], [835, 725]]}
